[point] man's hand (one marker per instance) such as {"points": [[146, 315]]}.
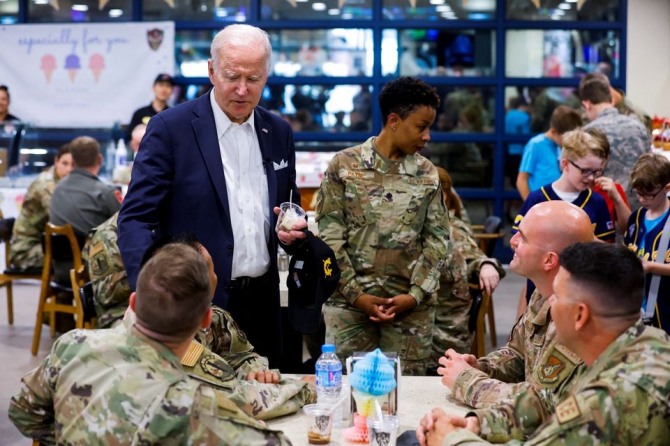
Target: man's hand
{"points": [[401, 303], [435, 425], [488, 278], [375, 307], [607, 185], [264, 376], [296, 232], [453, 364]]}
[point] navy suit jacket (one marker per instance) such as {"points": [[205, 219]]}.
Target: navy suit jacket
{"points": [[178, 186]]}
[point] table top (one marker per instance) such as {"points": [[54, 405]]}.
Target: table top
{"points": [[417, 396]]}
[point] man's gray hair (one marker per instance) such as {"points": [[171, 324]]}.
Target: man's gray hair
{"points": [[241, 35]]}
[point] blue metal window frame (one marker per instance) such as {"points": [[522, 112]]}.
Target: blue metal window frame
{"points": [[497, 194]]}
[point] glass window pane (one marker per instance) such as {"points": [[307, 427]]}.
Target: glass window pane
{"points": [[332, 52], [560, 53], [439, 9], [438, 52], [318, 9], [469, 164], [217, 10], [9, 11], [80, 11], [310, 108], [542, 102], [465, 109], [592, 10]]}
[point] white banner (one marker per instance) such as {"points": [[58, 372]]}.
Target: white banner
{"points": [[83, 75]]}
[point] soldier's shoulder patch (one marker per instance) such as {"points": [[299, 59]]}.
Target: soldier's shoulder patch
{"points": [[192, 354], [551, 369], [216, 367], [568, 410], [569, 354]]}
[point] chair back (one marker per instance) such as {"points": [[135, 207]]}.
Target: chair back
{"points": [[62, 248], [488, 234], [477, 321], [6, 229], [82, 289]]}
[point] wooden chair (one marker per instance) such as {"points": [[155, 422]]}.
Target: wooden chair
{"points": [[477, 324], [9, 275], [487, 235], [61, 245], [82, 289]]}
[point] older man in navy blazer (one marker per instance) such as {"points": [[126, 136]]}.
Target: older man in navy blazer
{"points": [[218, 167]]}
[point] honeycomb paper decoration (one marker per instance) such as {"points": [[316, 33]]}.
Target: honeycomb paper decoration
{"points": [[373, 374]]}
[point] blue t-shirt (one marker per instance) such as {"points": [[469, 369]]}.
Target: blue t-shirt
{"points": [[643, 241], [517, 122], [540, 161]]}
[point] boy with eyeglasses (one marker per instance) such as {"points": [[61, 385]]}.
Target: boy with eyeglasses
{"points": [[650, 182], [582, 161]]}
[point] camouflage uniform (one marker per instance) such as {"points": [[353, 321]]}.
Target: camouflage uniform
{"points": [[25, 248], [453, 297], [120, 387], [628, 140], [531, 362], [111, 290], [222, 357], [388, 227], [621, 399]]}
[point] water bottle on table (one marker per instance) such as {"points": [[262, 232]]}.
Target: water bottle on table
{"points": [[329, 380]]}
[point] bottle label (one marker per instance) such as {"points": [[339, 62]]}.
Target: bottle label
{"points": [[329, 378]]}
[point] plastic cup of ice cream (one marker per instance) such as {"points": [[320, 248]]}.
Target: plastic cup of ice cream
{"points": [[319, 423], [383, 432], [289, 215]]}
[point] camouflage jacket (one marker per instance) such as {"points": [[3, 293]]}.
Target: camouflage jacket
{"points": [[26, 244], [223, 357], [386, 223], [531, 362], [121, 387], [465, 243], [621, 399], [628, 139], [102, 258]]}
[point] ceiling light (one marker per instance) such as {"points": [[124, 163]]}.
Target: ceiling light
{"points": [[318, 6], [115, 12], [82, 8]]}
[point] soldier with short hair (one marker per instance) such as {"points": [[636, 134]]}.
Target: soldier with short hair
{"points": [[622, 396], [220, 355], [127, 385], [25, 247], [380, 209]]}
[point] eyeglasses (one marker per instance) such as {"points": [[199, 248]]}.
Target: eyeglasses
{"points": [[587, 172], [648, 196]]}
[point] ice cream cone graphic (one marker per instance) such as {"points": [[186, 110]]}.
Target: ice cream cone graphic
{"points": [[48, 66], [96, 64], [72, 65]]}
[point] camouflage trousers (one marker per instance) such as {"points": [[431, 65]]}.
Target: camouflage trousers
{"points": [[451, 320], [410, 334], [26, 253]]}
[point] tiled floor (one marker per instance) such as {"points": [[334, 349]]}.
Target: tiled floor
{"points": [[15, 341]]}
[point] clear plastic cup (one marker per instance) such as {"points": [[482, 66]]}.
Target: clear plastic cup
{"points": [[383, 432], [319, 423], [289, 215]]}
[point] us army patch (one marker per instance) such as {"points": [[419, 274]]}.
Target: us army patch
{"points": [[551, 370], [216, 367], [193, 353], [568, 410]]}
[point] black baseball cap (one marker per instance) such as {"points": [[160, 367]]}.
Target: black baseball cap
{"points": [[164, 77], [313, 275]]}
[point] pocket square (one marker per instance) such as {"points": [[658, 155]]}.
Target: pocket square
{"points": [[282, 165]]}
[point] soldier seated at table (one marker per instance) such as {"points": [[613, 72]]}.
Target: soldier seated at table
{"points": [[127, 385], [222, 355], [622, 397]]}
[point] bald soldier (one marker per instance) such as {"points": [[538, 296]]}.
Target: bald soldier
{"points": [[220, 356], [532, 360], [127, 385], [622, 396]]}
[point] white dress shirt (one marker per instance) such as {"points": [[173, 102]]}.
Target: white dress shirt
{"points": [[247, 188]]}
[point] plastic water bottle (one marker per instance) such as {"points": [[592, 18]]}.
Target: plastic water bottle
{"points": [[121, 154], [328, 375]]}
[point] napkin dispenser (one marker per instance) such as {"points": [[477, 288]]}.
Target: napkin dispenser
{"points": [[390, 402]]}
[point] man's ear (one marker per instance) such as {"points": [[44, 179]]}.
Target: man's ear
{"points": [[582, 315], [133, 299], [207, 318], [551, 261]]}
